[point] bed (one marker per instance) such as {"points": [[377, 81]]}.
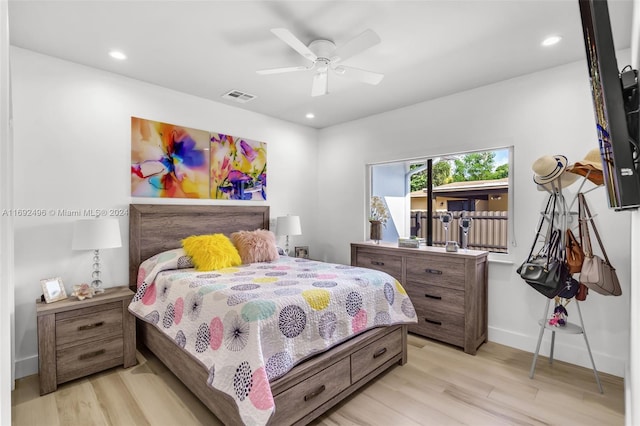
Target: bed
{"points": [[307, 390]]}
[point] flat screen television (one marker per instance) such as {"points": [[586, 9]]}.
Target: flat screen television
{"points": [[615, 99]]}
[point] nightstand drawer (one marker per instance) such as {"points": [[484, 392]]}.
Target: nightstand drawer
{"points": [[81, 360], [390, 264], [88, 324], [436, 270]]}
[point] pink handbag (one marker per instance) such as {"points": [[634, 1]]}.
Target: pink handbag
{"points": [[597, 274]]}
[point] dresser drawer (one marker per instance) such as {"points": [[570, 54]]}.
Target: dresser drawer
{"points": [[87, 358], [444, 326], [390, 264], [436, 270], [312, 392], [433, 298], [375, 354], [88, 324]]}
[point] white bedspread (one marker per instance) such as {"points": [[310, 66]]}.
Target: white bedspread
{"points": [[251, 324]]}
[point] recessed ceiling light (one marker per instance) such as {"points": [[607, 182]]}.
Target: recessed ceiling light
{"points": [[116, 54], [551, 40], [310, 115]]}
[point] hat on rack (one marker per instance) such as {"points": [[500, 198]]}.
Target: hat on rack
{"points": [[590, 167], [549, 168]]}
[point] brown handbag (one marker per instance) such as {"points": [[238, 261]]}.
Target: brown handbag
{"points": [[583, 292], [575, 255]]}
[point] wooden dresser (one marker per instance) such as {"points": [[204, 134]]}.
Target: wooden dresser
{"points": [[448, 290], [77, 338]]}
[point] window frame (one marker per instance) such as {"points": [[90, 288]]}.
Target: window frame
{"points": [[433, 158]]}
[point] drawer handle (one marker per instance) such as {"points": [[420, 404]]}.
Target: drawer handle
{"points": [[431, 296], [433, 321], [380, 352], [315, 393], [433, 271], [374, 262], [90, 326], [91, 354]]}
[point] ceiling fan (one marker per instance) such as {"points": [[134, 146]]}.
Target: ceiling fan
{"points": [[324, 56]]}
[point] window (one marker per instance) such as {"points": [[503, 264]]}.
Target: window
{"points": [[472, 185]]}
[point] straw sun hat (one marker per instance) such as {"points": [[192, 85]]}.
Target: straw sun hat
{"points": [[590, 167], [550, 168]]}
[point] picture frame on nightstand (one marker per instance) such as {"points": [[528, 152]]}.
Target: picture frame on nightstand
{"points": [[53, 289], [302, 252]]}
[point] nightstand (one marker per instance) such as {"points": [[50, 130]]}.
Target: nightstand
{"points": [[81, 337]]}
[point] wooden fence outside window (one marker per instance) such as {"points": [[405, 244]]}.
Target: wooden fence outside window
{"points": [[488, 229]]}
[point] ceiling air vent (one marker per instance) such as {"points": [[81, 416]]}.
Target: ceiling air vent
{"points": [[238, 96]]}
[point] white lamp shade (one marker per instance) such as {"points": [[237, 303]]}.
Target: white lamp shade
{"points": [[95, 234], [288, 225]]}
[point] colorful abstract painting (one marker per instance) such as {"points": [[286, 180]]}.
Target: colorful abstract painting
{"points": [[173, 161], [168, 160], [238, 168]]}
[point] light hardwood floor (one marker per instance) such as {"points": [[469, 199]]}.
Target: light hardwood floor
{"points": [[440, 385]]}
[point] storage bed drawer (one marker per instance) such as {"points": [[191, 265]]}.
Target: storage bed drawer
{"points": [[375, 354]]}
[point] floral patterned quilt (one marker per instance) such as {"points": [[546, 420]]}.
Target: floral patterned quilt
{"points": [[251, 324]]}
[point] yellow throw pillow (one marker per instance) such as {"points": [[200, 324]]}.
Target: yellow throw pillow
{"points": [[211, 252]]}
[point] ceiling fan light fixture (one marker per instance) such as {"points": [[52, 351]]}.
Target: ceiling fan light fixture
{"points": [[320, 86], [326, 55]]}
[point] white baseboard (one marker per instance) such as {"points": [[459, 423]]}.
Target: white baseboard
{"points": [[26, 366], [568, 348]]}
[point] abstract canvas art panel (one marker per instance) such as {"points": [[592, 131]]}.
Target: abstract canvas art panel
{"points": [[238, 168], [168, 160]]}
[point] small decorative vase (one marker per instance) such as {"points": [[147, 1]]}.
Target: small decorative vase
{"points": [[376, 231]]}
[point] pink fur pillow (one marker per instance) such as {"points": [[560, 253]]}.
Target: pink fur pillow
{"points": [[255, 246]]}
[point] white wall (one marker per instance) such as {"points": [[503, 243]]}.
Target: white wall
{"points": [[72, 151], [547, 112], [6, 226]]}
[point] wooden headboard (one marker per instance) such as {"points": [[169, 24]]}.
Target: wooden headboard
{"points": [[154, 228]]}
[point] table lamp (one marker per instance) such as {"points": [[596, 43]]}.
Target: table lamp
{"points": [[288, 225], [96, 234]]}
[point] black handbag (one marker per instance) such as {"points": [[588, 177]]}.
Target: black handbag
{"points": [[570, 288], [546, 272], [548, 278]]}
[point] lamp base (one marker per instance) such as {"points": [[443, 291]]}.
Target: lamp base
{"points": [[96, 285]]}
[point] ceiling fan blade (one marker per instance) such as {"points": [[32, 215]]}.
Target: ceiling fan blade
{"points": [[356, 45], [364, 76], [283, 70], [286, 36], [320, 83]]}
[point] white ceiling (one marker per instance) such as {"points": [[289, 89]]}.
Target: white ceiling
{"points": [[429, 48]]}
